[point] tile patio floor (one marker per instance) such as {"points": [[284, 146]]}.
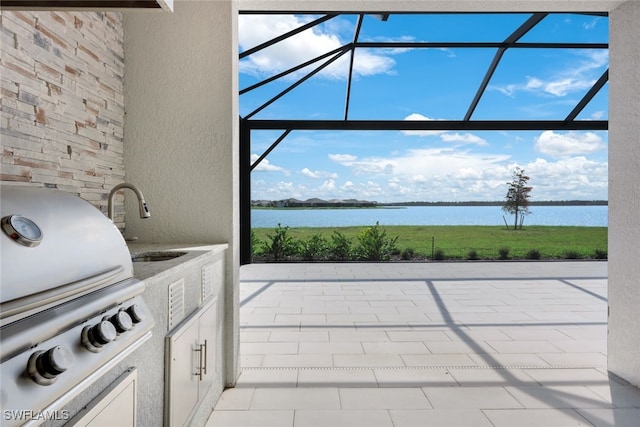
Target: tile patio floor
{"points": [[425, 344]]}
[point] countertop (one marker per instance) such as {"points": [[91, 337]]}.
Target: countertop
{"points": [[159, 269]]}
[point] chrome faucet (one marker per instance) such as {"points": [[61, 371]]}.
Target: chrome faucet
{"points": [[144, 211]]}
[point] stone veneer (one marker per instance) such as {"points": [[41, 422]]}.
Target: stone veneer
{"points": [[62, 108]]}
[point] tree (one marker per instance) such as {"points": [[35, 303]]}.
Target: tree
{"points": [[517, 202]]}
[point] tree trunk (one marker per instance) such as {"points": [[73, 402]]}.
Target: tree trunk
{"points": [[515, 224]]}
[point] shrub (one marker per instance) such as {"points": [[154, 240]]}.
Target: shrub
{"points": [[438, 255], [280, 245], [533, 254], [256, 244], [503, 253], [374, 245], [472, 255], [572, 255], [340, 247], [407, 253], [315, 248], [600, 254]]}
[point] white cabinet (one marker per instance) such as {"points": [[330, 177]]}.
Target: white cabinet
{"points": [[208, 337], [190, 352], [115, 405]]}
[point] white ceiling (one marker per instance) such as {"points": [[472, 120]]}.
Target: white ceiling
{"points": [[432, 5]]}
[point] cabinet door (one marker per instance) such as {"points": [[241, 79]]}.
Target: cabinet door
{"points": [[208, 339], [182, 369], [116, 402], [121, 408]]}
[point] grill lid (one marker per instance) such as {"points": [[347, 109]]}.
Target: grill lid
{"points": [[55, 246]]}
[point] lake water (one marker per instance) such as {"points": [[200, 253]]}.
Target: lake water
{"points": [[589, 216]]}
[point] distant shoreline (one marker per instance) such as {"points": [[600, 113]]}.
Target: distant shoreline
{"points": [[375, 205], [501, 203]]}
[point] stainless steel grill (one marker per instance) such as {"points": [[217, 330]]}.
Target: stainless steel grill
{"points": [[70, 308]]}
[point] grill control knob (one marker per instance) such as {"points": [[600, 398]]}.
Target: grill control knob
{"points": [[45, 366], [97, 336], [122, 321], [136, 313]]}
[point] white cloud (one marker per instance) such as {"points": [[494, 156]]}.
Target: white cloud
{"points": [[590, 25], [450, 175], [310, 174], [328, 185], [571, 143], [318, 174], [343, 159], [508, 90], [367, 63], [370, 166], [265, 166], [577, 77], [564, 86], [417, 116], [568, 178], [534, 83], [286, 186], [420, 117], [416, 164], [256, 29], [268, 190], [558, 86], [465, 138], [453, 174], [347, 185]]}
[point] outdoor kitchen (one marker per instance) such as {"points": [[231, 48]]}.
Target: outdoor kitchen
{"points": [[100, 322]]}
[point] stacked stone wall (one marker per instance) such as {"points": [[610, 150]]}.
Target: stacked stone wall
{"points": [[62, 106]]}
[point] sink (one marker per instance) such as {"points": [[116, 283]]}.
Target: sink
{"points": [[156, 256]]}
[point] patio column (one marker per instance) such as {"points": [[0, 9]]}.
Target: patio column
{"points": [[181, 134], [624, 193]]}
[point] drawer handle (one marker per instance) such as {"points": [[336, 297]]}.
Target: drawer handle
{"points": [[202, 369], [199, 350], [203, 362]]}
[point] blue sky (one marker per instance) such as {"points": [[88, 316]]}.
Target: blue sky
{"points": [[427, 84]]}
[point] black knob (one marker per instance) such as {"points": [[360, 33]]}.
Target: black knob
{"points": [[102, 334], [54, 361], [136, 313], [122, 321]]}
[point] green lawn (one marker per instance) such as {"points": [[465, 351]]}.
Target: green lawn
{"points": [[458, 241]]}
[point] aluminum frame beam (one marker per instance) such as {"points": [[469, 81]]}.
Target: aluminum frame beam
{"points": [[514, 37], [419, 125], [352, 56], [599, 84]]}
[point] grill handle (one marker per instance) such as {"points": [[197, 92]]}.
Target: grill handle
{"points": [[57, 295]]}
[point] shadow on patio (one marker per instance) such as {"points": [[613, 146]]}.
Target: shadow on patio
{"points": [[444, 344]]}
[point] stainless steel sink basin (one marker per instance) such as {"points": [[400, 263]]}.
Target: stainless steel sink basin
{"points": [[156, 256]]}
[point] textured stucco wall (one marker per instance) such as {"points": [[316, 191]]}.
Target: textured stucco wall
{"points": [[624, 193], [181, 134], [63, 102]]}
